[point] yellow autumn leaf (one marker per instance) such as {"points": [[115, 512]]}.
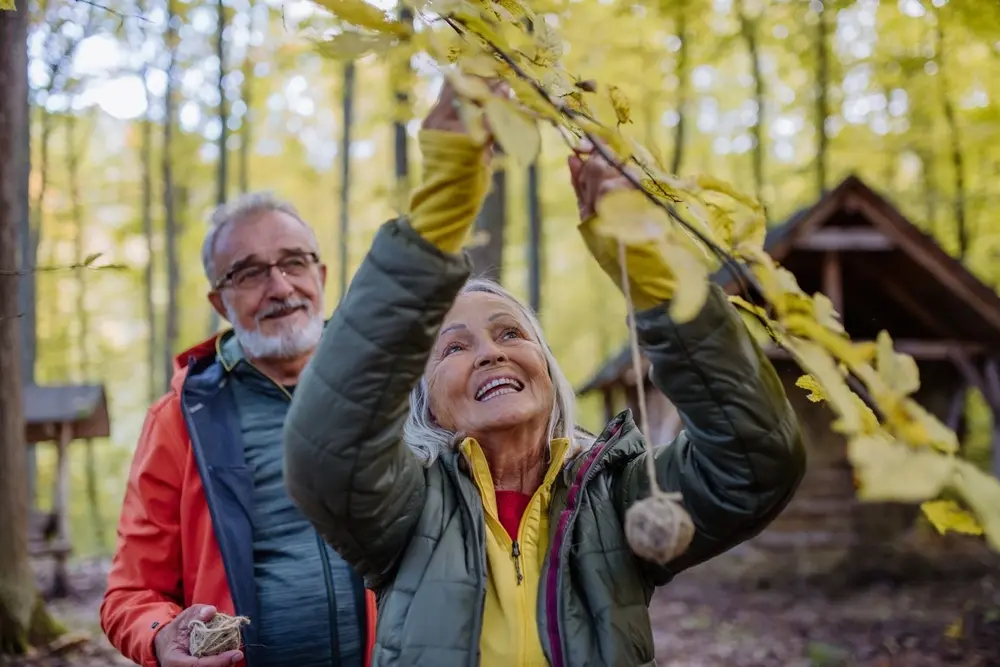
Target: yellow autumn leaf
{"points": [[818, 363], [514, 131], [7, 5], [511, 10], [548, 44], [891, 471], [692, 282], [479, 64], [809, 383], [620, 103], [363, 15], [981, 493], [473, 117], [825, 313], [898, 371], [352, 45], [469, 87], [627, 216], [947, 516]]}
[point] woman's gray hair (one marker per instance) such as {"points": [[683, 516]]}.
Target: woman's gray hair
{"points": [[428, 440]]}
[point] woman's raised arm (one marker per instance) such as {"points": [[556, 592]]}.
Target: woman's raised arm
{"points": [[345, 461], [740, 457]]}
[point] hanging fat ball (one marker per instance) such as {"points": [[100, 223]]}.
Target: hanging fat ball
{"points": [[658, 528]]}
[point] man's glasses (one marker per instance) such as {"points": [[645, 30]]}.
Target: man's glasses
{"points": [[256, 274]]}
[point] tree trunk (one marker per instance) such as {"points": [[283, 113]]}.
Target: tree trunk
{"points": [[682, 75], [24, 620], [73, 155], [402, 100], [146, 157], [246, 94], [347, 100], [748, 28], [222, 170], [955, 144], [822, 105], [169, 203], [487, 258], [535, 249]]}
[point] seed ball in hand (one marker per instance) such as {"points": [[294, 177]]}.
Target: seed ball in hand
{"points": [[658, 529]]}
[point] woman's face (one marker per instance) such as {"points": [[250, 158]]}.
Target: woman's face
{"points": [[486, 372]]}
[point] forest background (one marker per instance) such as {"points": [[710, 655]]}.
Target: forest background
{"points": [[145, 115]]}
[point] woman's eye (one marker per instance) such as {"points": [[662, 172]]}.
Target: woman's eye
{"points": [[510, 334], [453, 347]]}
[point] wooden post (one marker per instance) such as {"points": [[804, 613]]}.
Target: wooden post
{"points": [[991, 374], [60, 507], [609, 402], [957, 409], [833, 281]]}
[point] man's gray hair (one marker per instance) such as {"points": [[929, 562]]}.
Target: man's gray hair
{"points": [[428, 440], [242, 208]]}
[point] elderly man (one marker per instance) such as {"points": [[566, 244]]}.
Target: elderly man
{"points": [[206, 524]]}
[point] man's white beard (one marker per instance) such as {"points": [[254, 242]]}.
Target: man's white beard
{"points": [[289, 342]]}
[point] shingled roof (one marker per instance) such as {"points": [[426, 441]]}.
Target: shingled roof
{"points": [[966, 307], [83, 407]]}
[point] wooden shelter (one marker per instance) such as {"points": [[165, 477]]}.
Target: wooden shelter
{"points": [[60, 414], [880, 272]]}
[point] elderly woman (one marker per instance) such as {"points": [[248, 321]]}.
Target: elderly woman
{"points": [[433, 442]]}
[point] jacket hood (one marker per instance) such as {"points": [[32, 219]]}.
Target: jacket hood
{"points": [[204, 349]]}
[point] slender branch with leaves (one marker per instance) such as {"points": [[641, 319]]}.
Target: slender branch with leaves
{"points": [[702, 225]]}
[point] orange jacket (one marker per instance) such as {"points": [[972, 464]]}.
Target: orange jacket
{"points": [[168, 554]]}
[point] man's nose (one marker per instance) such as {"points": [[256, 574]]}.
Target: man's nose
{"points": [[279, 284]]}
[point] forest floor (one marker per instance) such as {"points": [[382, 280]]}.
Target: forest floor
{"points": [[700, 622]]}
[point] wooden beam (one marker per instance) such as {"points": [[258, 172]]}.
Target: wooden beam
{"points": [[926, 257], [833, 281], [840, 238], [921, 350]]}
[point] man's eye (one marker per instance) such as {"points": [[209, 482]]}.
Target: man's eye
{"points": [[248, 273], [295, 262]]}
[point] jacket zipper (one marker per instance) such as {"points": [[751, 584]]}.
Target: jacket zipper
{"points": [[515, 553], [564, 550], [330, 608], [324, 561]]}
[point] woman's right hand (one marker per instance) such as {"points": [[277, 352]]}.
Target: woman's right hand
{"points": [[444, 114], [456, 173]]}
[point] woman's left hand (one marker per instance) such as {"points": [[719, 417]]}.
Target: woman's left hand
{"points": [[651, 282], [592, 178]]}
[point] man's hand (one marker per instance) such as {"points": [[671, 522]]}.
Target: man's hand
{"points": [[171, 643]]}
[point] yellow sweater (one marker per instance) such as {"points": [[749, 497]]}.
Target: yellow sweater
{"points": [[443, 210]]}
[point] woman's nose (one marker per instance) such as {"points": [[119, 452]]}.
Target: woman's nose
{"points": [[490, 357]]}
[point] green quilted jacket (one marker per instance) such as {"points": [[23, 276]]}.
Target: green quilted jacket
{"points": [[416, 534]]}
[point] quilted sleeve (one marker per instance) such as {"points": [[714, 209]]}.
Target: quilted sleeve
{"points": [[346, 465], [740, 457]]}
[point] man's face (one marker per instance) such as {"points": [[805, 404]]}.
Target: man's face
{"points": [[276, 312]]}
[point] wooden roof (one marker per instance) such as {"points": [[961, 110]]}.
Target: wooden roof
{"points": [[84, 408], [888, 275]]}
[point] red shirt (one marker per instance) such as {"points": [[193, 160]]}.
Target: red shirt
{"points": [[510, 509]]}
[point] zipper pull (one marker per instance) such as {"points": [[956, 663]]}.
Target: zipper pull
{"points": [[515, 553]]}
